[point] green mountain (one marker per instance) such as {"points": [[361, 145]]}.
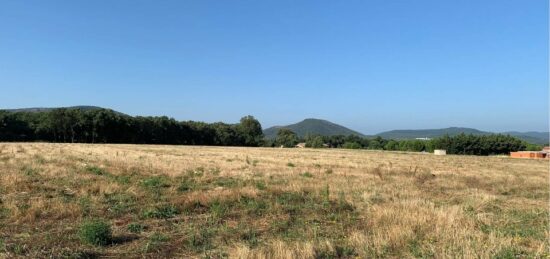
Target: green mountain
{"points": [[534, 137], [313, 126]]}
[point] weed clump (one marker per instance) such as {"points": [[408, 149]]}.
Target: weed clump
{"points": [[135, 227], [161, 212], [96, 232], [200, 240], [307, 175], [155, 182], [186, 184], [96, 170]]}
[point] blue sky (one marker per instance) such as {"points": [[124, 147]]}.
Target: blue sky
{"points": [[369, 65]]}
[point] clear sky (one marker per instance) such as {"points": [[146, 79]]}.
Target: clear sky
{"points": [[368, 65]]}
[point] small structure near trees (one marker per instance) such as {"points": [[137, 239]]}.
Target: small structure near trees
{"points": [[544, 153], [301, 145], [440, 152]]}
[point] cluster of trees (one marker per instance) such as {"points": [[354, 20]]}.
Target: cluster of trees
{"points": [[460, 144], [108, 126]]}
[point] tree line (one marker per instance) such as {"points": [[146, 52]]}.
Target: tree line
{"points": [[462, 144], [108, 126]]}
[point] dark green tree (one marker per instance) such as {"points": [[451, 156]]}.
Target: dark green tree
{"points": [[251, 131], [286, 138]]}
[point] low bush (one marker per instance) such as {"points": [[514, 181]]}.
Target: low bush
{"points": [[96, 232]]}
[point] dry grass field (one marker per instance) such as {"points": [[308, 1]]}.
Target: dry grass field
{"points": [[214, 202]]}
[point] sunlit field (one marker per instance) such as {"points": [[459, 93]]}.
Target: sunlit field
{"points": [[61, 200]]}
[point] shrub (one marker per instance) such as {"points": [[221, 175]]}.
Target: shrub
{"points": [[96, 232]]}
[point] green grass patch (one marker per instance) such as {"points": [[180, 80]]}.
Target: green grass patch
{"points": [[306, 175], [257, 207], [338, 252], [187, 184], [155, 182], [30, 171], [250, 236], [511, 253], [227, 182], [219, 209], [200, 239], [525, 224], [135, 228], [120, 203], [96, 170], [161, 212], [95, 232], [260, 185], [85, 204], [155, 242]]}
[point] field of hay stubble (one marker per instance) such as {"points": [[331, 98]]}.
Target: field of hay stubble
{"points": [[87, 201]]}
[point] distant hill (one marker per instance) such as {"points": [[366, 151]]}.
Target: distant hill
{"points": [[42, 109], [534, 137], [313, 126]]}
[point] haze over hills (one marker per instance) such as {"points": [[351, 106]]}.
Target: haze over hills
{"points": [[535, 137], [327, 128], [312, 126], [532, 136]]}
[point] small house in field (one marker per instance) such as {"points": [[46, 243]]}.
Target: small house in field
{"points": [[301, 145], [544, 153], [440, 152], [528, 154]]}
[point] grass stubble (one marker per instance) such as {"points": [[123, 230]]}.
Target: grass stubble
{"points": [[221, 202]]}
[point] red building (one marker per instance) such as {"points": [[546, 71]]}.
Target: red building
{"points": [[544, 153]]}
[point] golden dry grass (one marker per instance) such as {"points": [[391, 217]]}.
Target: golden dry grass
{"points": [[180, 201]]}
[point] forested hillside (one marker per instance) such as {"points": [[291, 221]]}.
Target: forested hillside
{"points": [[100, 125], [108, 126]]}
